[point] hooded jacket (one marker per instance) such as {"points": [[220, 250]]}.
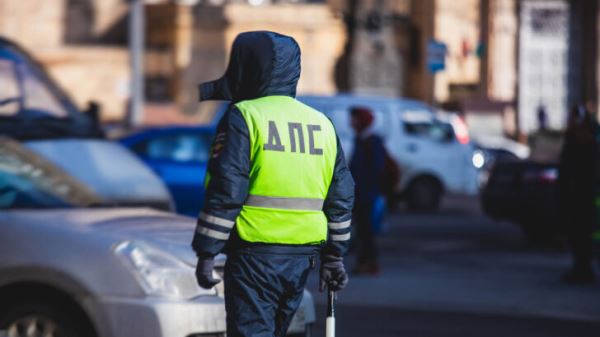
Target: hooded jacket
{"points": [[261, 64]]}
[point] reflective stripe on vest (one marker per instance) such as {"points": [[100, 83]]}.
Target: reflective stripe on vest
{"points": [[293, 151], [307, 204]]}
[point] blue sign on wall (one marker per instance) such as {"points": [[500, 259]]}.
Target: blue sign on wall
{"points": [[436, 55]]}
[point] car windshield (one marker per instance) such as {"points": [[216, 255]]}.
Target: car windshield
{"points": [[29, 181]]}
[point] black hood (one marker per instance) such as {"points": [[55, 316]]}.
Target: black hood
{"points": [[262, 64]]}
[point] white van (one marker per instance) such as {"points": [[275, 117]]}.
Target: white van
{"points": [[432, 148]]}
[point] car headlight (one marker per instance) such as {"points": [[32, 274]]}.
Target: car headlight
{"points": [[478, 159], [160, 273]]}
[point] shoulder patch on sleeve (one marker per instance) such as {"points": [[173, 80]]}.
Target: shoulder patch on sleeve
{"points": [[218, 144]]}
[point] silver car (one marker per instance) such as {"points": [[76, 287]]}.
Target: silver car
{"points": [[98, 271], [72, 267]]}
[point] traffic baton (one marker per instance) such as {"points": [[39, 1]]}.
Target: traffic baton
{"points": [[330, 321]]}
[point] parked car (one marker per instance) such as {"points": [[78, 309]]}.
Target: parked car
{"points": [[179, 155], [432, 148], [525, 191], [78, 256], [72, 266]]}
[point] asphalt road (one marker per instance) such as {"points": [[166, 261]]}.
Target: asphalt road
{"points": [[457, 273]]}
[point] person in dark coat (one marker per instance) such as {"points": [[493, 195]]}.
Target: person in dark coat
{"points": [[576, 192], [367, 167]]}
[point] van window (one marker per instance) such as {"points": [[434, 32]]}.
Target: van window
{"points": [[432, 129], [9, 95]]}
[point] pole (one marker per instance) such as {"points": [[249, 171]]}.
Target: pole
{"points": [[136, 51], [330, 321]]}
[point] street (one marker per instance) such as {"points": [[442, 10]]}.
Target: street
{"points": [[458, 273]]}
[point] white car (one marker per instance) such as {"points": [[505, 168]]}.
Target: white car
{"points": [[432, 148], [71, 266]]}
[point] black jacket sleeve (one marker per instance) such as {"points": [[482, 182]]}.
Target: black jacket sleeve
{"points": [[338, 207], [227, 184]]}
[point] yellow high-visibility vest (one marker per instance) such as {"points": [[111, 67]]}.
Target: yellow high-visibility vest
{"points": [[292, 152]]}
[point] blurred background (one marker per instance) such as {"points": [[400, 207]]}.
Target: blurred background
{"points": [[495, 61], [483, 105]]}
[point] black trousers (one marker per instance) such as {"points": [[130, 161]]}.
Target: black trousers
{"points": [[579, 235], [365, 239], [263, 292]]}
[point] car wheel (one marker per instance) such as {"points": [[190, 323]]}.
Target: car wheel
{"points": [[36, 317], [424, 194]]}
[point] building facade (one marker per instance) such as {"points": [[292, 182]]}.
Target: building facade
{"points": [[83, 43], [505, 60]]}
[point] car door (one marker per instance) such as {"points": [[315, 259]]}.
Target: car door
{"points": [[180, 158]]}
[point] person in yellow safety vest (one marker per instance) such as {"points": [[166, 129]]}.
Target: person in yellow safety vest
{"points": [[279, 195]]}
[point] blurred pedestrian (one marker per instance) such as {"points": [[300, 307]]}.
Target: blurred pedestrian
{"points": [[542, 117], [576, 192], [279, 193], [367, 166]]}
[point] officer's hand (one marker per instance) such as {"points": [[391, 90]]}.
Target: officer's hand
{"points": [[333, 273], [204, 273]]}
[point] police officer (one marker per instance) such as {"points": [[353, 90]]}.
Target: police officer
{"points": [[279, 193]]}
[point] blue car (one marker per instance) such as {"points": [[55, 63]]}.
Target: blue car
{"points": [[179, 155]]}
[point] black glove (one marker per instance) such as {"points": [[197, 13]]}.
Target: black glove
{"points": [[204, 273], [333, 274]]}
